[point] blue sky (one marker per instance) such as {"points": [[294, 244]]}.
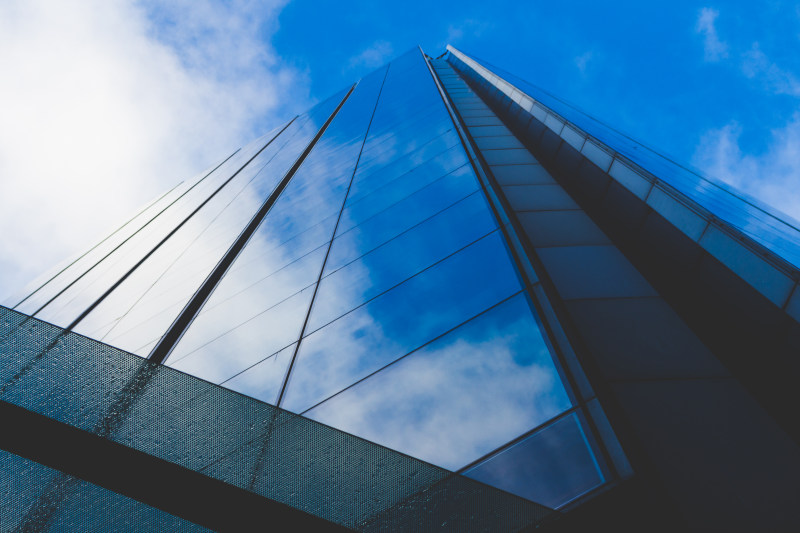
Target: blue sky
{"points": [[109, 104], [682, 76]]}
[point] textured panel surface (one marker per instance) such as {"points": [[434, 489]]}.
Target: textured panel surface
{"points": [[23, 485]]}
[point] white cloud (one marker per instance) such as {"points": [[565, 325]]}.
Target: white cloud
{"points": [[772, 176], [108, 104], [582, 61], [375, 55], [755, 64], [714, 48], [468, 28], [454, 400]]}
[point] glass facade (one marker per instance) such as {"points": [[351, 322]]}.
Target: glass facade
{"points": [[376, 292]]}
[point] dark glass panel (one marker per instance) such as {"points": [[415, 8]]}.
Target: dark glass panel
{"points": [[561, 228], [235, 348], [553, 466], [593, 272], [538, 198]]}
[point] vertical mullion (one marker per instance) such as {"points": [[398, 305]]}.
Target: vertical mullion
{"points": [[328, 251], [168, 341]]}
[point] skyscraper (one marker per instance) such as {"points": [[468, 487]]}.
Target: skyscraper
{"points": [[440, 299]]}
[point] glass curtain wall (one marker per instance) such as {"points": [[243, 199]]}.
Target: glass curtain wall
{"points": [[378, 294]]}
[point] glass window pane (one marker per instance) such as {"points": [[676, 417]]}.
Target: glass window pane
{"points": [[461, 396], [400, 320], [401, 216], [396, 165], [400, 258], [553, 466], [381, 198], [219, 354], [264, 380]]}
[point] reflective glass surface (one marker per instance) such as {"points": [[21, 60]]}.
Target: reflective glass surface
{"points": [[264, 380], [396, 322], [222, 352], [553, 466], [391, 263], [461, 396], [378, 191], [407, 213], [377, 295], [261, 304]]}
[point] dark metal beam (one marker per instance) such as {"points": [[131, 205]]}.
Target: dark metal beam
{"points": [[167, 486]]}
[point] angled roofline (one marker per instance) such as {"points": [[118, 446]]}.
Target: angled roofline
{"points": [[763, 269]]}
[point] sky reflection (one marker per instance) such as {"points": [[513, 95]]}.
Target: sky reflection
{"points": [[378, 293], [462, 395]]}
